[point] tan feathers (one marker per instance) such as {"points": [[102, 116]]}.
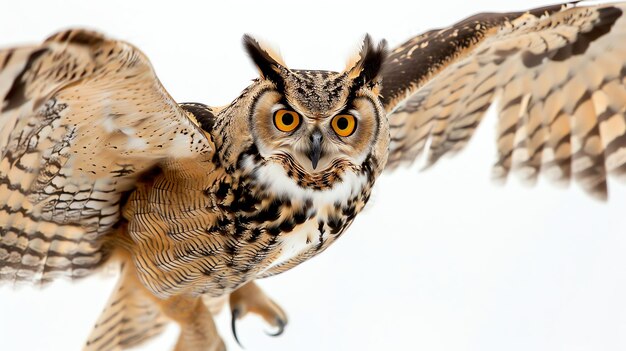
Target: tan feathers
{"points": [[82, 118], [558, 77]]}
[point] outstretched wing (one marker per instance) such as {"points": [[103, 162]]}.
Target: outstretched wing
{"points": [[81, 118], [559, 76]]}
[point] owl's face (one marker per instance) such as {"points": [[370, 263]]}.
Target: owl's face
{"points": [[318, 126]]}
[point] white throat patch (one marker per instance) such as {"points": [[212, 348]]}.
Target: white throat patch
{"points": [[273, 175]]}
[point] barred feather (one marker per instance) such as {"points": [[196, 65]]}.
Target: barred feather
{"points": [[130, 317], [558, 76], [82, 117]]}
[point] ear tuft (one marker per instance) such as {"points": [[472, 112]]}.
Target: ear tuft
{"points": [[267, 61], [366, 69]]}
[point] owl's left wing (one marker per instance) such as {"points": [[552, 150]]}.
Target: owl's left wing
{"points": [[82, 117], [559, 74]]}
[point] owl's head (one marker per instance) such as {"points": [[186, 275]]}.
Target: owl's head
{"points": [[316, 126]]}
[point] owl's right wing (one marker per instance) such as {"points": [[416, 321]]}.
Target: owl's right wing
{"points": [[558, 73], [81, 118]]}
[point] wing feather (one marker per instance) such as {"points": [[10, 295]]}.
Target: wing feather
{"points": [[557, 74], [81, 118]]}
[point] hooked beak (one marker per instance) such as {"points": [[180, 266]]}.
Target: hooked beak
{"points": [[315, 151]]}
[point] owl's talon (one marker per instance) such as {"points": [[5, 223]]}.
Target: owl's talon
{"points": [[235, 314], [249, 298], [281, 327]]}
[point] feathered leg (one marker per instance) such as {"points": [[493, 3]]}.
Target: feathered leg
{"points": [[131, 316], [197, 329]]}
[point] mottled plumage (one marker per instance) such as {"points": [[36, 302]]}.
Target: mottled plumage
{"points": [[556, 72], [197, 202]]}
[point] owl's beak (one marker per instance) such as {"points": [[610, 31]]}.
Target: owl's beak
{"points": [[315, 152]]}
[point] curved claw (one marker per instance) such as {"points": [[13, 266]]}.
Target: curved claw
{"points": [[234, 314], [281, 328]]}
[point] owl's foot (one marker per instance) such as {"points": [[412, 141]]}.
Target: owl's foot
{"points": [[251, 299]]}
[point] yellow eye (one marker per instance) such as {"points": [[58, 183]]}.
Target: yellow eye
{"points": [[344, 125], [286, 120]]}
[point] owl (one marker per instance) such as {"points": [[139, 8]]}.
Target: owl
{"points": [[99, 164]]}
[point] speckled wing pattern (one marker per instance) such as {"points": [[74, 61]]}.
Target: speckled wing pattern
{"points": [[558, 74], [81, 118]]}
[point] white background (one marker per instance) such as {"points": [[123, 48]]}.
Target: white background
{"points": [[441, 260]]}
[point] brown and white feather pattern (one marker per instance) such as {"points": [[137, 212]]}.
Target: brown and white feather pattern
{"points": [[81, 118], [205, 226], [558, 74], [130, 317]]}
